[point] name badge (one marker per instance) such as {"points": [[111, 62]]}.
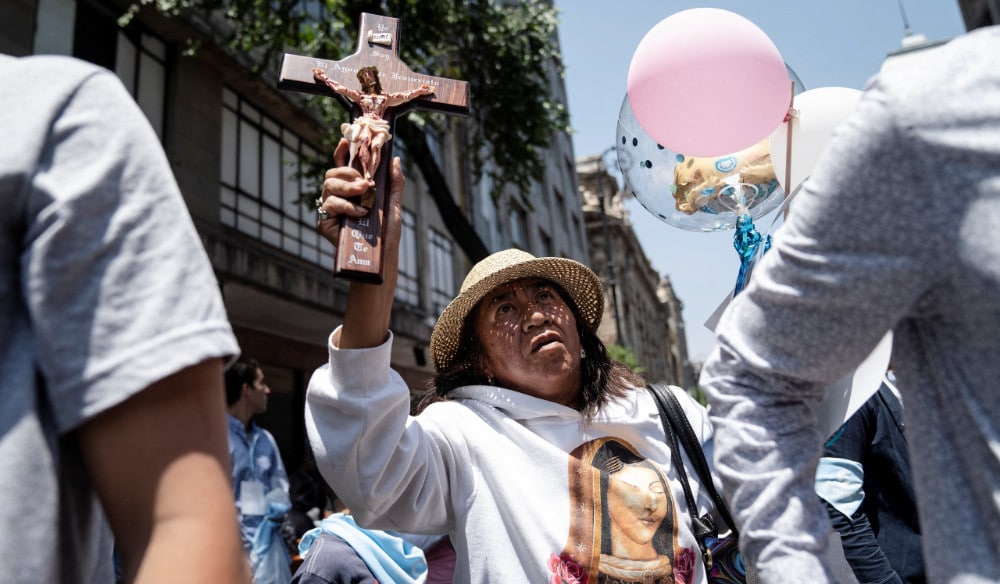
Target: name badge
{"points": [[251, 498]]}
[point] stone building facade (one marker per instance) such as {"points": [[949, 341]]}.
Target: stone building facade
{"points": [[236, 146], [642, 313]]}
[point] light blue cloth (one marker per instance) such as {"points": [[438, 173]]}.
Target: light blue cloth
{"points": [[389, 557], [268, 555], [840, 482]]}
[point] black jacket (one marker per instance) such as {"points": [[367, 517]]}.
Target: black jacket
{"points": [[882, 538]]}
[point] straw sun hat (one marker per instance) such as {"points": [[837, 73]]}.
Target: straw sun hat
{"points": [[503, 267]]}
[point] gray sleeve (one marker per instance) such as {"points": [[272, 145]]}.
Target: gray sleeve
{"points": [[119, 288], [854, 254]]}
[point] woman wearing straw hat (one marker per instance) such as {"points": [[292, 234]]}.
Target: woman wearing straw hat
{"points": [[524, 401]]}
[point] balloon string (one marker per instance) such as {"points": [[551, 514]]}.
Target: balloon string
{"points": [[746, 241], [789, 118]]}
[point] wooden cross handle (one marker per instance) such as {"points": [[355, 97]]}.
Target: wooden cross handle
{"points": [[360, 245]]}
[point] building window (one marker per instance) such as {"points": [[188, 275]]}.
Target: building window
{"points": [[141, 64], [578, 232], [560, 218], [569, 167], [434, 144], [442, 270], [261, 187], [488, 223], [408, 284], [546, 242], [138, 58], [518, 227]]}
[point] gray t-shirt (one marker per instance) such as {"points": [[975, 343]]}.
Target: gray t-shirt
{"points": [[898, 228], [105, 288]]}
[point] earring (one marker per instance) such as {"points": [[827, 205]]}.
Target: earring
{"points": [[583, 354]]}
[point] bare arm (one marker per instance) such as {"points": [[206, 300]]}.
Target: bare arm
{"points": [[405, 96], [351, 94], [160, 465], [366, 322]]}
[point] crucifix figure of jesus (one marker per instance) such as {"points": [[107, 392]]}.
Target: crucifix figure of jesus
{"points": [[370, 131], [375, 65]]}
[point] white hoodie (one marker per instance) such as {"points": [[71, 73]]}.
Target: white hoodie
{"points": [[492, 468]]}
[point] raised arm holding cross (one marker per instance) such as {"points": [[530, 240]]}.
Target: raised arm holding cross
{"points": [[373, 113]]}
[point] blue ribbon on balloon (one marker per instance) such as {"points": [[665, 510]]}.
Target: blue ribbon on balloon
{"points": [[747, 241]]}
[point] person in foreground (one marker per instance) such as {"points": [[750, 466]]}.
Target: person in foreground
{"points": [[537, 443], [897, 228], [113, 345]]}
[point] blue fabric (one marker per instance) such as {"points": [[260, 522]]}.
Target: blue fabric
{"points": [[332, 561], [268, 556], [254, 458], [840, 482], [389, 557]]}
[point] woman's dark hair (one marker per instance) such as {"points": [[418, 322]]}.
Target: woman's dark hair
{"points": [[602, 378]]}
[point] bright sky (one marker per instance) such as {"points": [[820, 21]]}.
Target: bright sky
{"points": [[827, 44]]}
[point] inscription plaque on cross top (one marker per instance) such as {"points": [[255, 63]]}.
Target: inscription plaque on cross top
{"points": [[376, 86]]}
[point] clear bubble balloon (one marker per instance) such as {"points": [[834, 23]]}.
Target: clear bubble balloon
{"points": [[692, 193]]}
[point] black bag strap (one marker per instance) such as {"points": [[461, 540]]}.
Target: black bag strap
{"points": [[676, 426], [704, 526]]}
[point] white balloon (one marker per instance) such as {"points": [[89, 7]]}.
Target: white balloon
{"points": [[820, 111]]}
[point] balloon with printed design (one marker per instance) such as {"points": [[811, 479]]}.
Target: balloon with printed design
{"points": [[695, 193]]}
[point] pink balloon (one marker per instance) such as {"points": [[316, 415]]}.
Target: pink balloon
{"points": [[707, 82]]}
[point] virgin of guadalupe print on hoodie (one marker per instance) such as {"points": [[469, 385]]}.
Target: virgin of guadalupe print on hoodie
{"points": [[623, 526]]}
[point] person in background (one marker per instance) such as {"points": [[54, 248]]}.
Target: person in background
{"points": [[895, 229], [113, 345], [311, 498], [259, 480], [865, 483]]}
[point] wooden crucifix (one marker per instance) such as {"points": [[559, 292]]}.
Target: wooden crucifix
{"points": [[388, 88]]}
